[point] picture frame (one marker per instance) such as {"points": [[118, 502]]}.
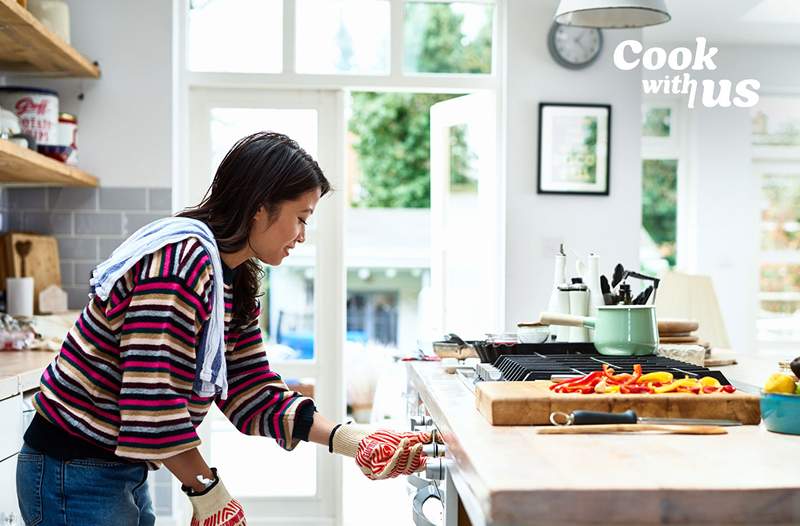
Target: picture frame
{"points": [[574, 149]]}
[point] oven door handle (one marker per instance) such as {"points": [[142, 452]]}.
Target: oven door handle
{"points": [[428, 492]]}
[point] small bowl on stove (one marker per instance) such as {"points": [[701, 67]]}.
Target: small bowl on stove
{"points": [[534, 332]]}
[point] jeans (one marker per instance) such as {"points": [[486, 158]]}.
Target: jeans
{"points": [[81, 492]]}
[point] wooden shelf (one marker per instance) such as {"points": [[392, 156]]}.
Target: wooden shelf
{"points": [[26, 46], [23, 166]]}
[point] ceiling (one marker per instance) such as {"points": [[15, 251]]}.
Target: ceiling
{"points": [[747, 22]]}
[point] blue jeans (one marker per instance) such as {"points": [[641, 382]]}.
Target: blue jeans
{"points": [[81, 492]]}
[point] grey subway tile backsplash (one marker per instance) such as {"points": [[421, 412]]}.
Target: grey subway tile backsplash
{"points": [[47, 222], [82, 273], [135, 221], [67, 277], [77, 296], [123, 199], [159, 199], [89, 223], [98, 224], [73, 199], [27, 199], [77, 248], [106, 246]]}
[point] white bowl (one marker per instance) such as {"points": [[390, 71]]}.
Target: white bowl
{"points": [[533, 332]]}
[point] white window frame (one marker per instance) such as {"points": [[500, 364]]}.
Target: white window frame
{"points": [[676, 146], [397, 80], [775, 160]]}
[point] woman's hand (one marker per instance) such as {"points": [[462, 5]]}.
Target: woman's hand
{"points": [[214, 506], [383, 453]]}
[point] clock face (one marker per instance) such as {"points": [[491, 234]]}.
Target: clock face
{"points": [[574, 47]]}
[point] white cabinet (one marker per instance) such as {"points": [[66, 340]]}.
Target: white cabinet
{"points": [[10, 443], [9, 507], [11, 430]]}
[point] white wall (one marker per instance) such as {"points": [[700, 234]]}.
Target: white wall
{"points": [[726, 209], [536, 224], [125, 118]]}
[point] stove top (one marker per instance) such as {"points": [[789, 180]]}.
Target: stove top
{"points": [[544, 365]]}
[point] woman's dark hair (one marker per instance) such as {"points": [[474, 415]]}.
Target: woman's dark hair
{"points": [[262, 169]]}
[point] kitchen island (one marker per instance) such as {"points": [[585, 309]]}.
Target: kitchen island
{"points": [[514, 476]]}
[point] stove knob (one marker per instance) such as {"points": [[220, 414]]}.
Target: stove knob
{"points": [[420, 421], [435, 468], [434, 450]]}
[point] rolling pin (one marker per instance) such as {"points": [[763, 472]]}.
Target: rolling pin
{"points": [[606, 429]]}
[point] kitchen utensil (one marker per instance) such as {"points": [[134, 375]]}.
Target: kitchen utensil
{"points": [[633, 274], [606, 429], [642, 297], [533, 332], [619, 273], [605, 288], [781, 412], [619, 329], [23, 248], [582, 417]]}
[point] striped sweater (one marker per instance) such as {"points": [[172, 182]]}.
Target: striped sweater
{"points": [[123, 379]]}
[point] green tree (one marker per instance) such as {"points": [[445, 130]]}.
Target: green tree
{"points": [[660, 204], [392, 130]]}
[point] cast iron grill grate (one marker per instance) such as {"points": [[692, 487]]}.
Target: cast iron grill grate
{"points": [[541, 366]]}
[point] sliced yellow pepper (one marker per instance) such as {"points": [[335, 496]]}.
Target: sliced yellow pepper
{"points": [[661, 377], [709, 381], [686, 382]]}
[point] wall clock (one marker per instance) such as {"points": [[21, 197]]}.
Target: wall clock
{"points": [[574, 47]]}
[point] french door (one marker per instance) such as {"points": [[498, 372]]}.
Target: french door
{"points": [[467, 249], [303, 306]]}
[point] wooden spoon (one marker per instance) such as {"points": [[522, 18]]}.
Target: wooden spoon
{"points": [[607, 429], [23, 248]]}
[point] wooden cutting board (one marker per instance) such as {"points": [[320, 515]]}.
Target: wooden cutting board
{"points": [[530, 403], [42, 264]]}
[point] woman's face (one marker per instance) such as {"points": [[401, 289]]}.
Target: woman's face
{"points": [[271, 242]]}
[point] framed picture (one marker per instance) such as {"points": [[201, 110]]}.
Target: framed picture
{"points": [[574, 148]]}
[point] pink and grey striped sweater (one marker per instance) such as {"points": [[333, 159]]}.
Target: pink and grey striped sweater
{"points": [[123, 379]]}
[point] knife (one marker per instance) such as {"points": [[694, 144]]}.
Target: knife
{"points": [[580, 417]]}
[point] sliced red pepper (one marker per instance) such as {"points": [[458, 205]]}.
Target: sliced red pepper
{"points": [[728, 389], [578, 381], [623, 378]]}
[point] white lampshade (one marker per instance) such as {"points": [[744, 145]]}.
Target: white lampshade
{"points": [[612, 14]]}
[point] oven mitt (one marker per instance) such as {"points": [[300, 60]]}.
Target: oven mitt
{"points": [[382, 454], [215, 507]]}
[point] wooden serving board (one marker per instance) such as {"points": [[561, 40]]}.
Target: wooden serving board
{"points": [[530, 403], [42, 264]]}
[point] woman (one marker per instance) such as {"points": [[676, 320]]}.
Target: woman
{"points": [[171, 328]]}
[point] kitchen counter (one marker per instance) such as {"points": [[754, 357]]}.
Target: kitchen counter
{"points": [[20, 370], [512, 475]]}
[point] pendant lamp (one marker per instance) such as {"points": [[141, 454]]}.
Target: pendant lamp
{"points": [[612, 14]]}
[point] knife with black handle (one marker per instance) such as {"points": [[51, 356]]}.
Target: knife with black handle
{"points": [[579, 417]]}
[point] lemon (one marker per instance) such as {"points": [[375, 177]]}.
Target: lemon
{"points": [[780, 383]]}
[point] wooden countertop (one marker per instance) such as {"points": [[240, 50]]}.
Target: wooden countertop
{"points": [[515, 476], [20, 370]]}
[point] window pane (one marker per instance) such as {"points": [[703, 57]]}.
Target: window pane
{"points": [[448, 37], [343, 36], [776, 122], [780, 302], [659, 214], [780, 211], [236, 36], [389, 160], [656, 122]]}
